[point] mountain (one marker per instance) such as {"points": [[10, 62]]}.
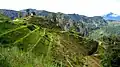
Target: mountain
{"points": [[112, 16], [10, 13], [40, 41], [76, 17], [77, 22]]}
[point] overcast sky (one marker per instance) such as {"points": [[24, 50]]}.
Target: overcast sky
{"points": [[83, 7]]}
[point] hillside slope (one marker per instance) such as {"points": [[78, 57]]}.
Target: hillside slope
{"points": [[36, 45]]}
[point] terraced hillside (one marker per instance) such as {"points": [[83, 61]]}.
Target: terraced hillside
{"points": [[35, 45], [36, 41]]}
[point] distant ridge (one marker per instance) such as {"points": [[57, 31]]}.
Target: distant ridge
{"points": [[81, 23], [111, 16]]}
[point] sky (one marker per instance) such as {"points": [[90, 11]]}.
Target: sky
{"points": [[82, 7]]}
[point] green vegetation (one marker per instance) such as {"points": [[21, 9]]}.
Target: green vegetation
{"points": [[36, 41], [110, 44], [111, 56], [110, 29], [4, 18]]}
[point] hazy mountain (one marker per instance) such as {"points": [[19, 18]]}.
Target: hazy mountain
{"points": [[10, 13], [112, 16]]}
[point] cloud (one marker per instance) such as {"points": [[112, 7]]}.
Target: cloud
{"points": [[84, 7]]}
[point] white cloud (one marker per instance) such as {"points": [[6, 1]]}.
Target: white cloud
{"points": [[84, 7]]}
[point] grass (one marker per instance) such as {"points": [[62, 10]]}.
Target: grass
{"points": [[11, 36], [4, 27], [13, 57]]}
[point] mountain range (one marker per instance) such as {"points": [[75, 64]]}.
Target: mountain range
{"points": [[76, 17], [81, 23], [67, 20]]}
